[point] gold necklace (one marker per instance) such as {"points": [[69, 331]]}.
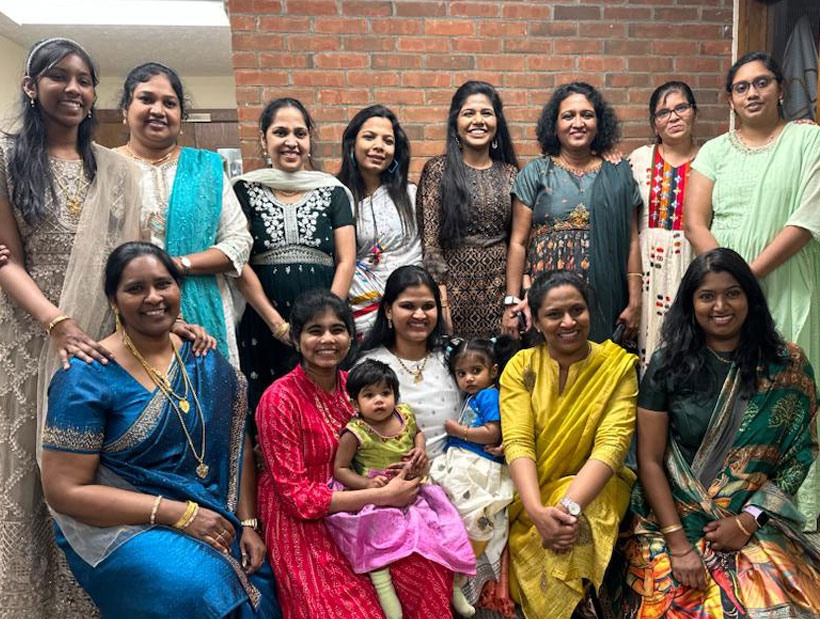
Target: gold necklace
{"points": [[418, 374], [155, 162], [163, 384], [73, 202], [718, 357], [589, 167]]}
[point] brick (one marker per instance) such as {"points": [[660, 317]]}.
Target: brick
{"points": [[254, 77], [408, 8], [247, 94], [533, 45], [668, 31], [553, 29], [424, 79], [367, 8], [396, 26], [369, 44], [399, 96], [435, 132], [521, 114], [496, 28], [248, 113], [604, 30], [345, 96], [619, 48], [396, 61], [675, 48], [575, 13], [650, 63], [280, 23], [455, 63], [424, 114], [242, 22], [722, 16], [578, 46], [525, 10], [305, 95], [340, 25], [318, 78], [254, 6], [312, 43], [716, 48], [473, 9], [372, 78], [341, 60], [449, 27], [528, 80], [503, 62], [477, 45], [242, 41], [550, 63], [624, 12], [244, 60], [491, 77], [285, 60], [677, 15], [330, 114], [423, 44], [312, 7], [330, 133], [601, 63]]}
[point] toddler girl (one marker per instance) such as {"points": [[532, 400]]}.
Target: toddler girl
{"points": [[380, 441]]}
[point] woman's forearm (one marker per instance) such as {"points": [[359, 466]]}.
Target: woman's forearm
{"points": [[516, 255], [700, 238], [18, 285], [653, 479], [589, 482], [525, 479], [251, 288], [786, 244], [342, 278], [354, 500], [247, 490], [206, 262], [634, 265]]}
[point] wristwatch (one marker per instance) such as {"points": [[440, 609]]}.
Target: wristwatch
{"points": [[511, 300], [760, 516], [186, 264], [572, 507]]}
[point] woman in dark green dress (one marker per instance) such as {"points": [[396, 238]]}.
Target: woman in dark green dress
{"points": [[303, 238]]}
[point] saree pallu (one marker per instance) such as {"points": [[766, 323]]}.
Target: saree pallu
{"points": [[103, 410], [756, 451]]}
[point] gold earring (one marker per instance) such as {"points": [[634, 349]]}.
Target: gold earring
{"points": [[117, 320]]}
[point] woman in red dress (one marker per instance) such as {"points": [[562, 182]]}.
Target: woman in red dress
{"points": [[299, 418]]}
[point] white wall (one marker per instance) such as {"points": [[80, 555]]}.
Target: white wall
{"points": [[12, 61]]}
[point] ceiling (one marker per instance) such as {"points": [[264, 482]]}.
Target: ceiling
{"points": [[190, 49]]}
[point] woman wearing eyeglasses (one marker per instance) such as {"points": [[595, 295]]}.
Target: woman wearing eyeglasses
{"points": [[757, 190], [661, 170]]}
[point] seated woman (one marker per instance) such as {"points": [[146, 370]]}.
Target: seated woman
{"points": [[725, 438], [300, 418], [567, 416], [148, 471]]}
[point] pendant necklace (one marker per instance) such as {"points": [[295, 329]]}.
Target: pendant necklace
{"points": [[73, 201], [418, 373], [154, 162]]}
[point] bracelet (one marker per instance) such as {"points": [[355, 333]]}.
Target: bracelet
{"points": [[55, 322], [672, 528], [193, 517], [187, 517], [253, 523], [635, 275], [153, 519], [683, 554], [466, 432], [281, 329], [741, 527]]}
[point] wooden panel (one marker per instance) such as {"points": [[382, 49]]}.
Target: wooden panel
{"points": [[753, 28]]}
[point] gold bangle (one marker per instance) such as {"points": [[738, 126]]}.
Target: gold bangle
{"points": [[635, 275], [192, 518], [55, 322], [741, 527], [466, 432], [683, 554], [672, 528], [185, 519], [153, 519], [281, 329]]}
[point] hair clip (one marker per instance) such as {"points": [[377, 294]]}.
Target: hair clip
{"points": [[493, 340]]}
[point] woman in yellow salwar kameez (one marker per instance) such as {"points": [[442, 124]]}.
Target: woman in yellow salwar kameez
{"points": [[567, 417]]}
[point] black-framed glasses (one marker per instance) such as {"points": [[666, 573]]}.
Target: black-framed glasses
{"points": [[680, 110], [760, 83]]}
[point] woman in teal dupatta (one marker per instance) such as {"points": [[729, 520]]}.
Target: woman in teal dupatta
{"points": [[716, 533], [148, 472]]}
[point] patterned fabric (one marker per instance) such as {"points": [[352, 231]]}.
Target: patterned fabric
{"points": [[776, 573], [756, 193], [665, 252], [376, 452], [138, 436], [293, 247], [474, 272], [299, 426], [476, 411], [592, 418]]}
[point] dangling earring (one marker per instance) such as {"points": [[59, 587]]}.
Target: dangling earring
{"points": [[352, 159], [458, 142], [117, 320], [268, 161], [124, 122], [393, 167], [494, 143], [31, 101], [89, 113], [389, 324]]}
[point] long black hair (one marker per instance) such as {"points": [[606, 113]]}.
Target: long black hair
{"points": [[269, 113], [400, 280], [660, 94], [455, 188], [683, 339], [395, 180], [144, 73], [608, 127], [29, 166]]}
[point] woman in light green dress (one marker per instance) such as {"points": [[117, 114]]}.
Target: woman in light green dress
{"points": [[757, 190]]}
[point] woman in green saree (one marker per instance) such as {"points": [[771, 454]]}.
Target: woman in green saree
{"points": [[716, 532]]}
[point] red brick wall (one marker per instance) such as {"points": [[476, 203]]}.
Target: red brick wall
{"points": [[337, 56]]}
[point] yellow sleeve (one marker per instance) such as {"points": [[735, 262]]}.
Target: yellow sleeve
{"points": [[615, 430], [517, 416]]}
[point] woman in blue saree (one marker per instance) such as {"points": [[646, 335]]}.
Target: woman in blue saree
{"points": [[148, 472]]}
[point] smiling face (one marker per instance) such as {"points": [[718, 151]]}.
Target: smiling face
{"points": [[563, 318], [147, 297], [720, 306], [473, 373], [757, 103], [375, 403], [324, 342], [675, 124], [375, 145], [287, 140], [414, 314], [65, 92], [577, 124], [476, 123], [154, 115]]}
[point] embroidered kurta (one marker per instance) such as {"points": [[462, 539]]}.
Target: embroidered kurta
{"points": [[593, 418], [299, 426]]}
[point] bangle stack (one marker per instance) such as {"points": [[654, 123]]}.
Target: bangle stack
{"points": [[672, 528], [188, 517], [153, 519], [55, 322], [281, 330]]}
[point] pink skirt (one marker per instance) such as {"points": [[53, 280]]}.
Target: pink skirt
{"points": [[375, 537]]}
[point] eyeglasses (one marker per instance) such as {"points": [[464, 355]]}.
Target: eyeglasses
{"points": [[680, 109], [760, 83]]}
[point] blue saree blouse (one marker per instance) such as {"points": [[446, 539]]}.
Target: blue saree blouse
{"points": [[145, 571]]}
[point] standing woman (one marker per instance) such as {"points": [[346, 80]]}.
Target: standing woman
{"points": [[375, 162], [464, 211], [662, 173], [303, 238], [757, 190], [188, 208], [573, 210], [64, 204]]}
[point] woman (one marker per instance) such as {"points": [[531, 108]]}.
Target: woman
{"points": [[464, 211], [303, 238], [188, 205], [129, 445], [375, 162], [573, 210], [662, 173], [567, 416], [64, 204], [299, 419], [716, 533], [757, 190]]}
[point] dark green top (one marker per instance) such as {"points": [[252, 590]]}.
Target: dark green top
{"points": [[690, 407]]}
